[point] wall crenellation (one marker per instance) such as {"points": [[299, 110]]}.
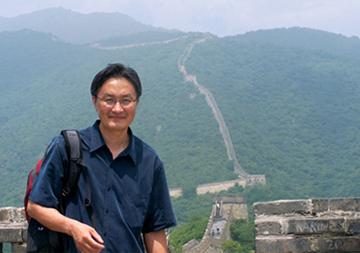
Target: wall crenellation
{"points": [[225, 209], [311, 225], [222, 186], [13, 228]]}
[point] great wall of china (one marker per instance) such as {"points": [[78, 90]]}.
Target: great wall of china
{"points": [[222, 186], [284, 226]]}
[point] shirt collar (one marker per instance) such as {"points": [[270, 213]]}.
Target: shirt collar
{"points": [[97, 141]]}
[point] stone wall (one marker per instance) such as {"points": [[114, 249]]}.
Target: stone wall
{"points": [[312, 225], [175, 192], [222, 186], [217, 187], [232, 206], [13, 228]]}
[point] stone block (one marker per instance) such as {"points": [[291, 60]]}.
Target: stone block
{"points": [[4, 215], [345, 204], [339, 204], [353, 225], [11, 235], [18, 248], [268, 227], [302, 244], [12, 215], [25, 234], [337, 244], [282, 207], [319, 205], [316, 225], [281, 244]]}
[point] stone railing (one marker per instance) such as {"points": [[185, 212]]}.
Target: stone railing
{"points": [[13, 228], [312, 225]]}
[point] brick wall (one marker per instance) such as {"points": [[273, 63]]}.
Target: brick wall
{"points": [[13, 228], [311, 225]]}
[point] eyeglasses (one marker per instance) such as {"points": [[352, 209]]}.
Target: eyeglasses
{"points": [[125, 102]]}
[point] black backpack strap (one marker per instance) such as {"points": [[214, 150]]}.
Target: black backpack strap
{"points": [[74, 150]]}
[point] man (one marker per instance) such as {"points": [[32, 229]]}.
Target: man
{"points": [[129, 192]]}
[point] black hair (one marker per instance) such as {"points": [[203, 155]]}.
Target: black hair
{"points": [[116, 70]]}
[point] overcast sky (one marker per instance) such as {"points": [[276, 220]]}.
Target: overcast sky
{"points": [[219, 17]]}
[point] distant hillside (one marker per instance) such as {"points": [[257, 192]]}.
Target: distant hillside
{"points": [[75, 27], [46, 83], [306, 38], [292, 112]]}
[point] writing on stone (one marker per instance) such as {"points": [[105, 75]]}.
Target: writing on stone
{"points": [[334, 244], [312, 227]]}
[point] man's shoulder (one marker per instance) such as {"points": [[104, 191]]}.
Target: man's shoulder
{"points": [[140, 143], [86, 133]]}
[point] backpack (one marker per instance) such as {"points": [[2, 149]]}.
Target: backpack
{"points": [[40, 238]]}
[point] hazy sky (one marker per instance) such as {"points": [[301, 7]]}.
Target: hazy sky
{"points": [[220, 17]]}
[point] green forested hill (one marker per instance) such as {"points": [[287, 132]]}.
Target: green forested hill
{"points": [[336, 44], [45, 86], [292, 113]]}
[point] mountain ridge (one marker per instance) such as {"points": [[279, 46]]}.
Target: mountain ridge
{"points": [[291, 112], [75, 27]]}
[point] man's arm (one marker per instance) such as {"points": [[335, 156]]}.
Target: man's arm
{"points": [[86, 238], [156, 242]]}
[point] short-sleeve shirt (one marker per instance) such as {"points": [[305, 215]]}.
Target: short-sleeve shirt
{"points": [[129, 194]]}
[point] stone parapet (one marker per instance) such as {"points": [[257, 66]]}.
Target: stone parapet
{"points": [[13, 228], [222, 186], [311, 225]]}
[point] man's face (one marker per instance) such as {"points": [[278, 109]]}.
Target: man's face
{"points": [[115, 118]]}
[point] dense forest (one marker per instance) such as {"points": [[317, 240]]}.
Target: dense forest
{"points": [[289, 97]]}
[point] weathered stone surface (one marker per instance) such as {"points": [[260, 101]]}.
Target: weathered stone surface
{"points": [[316, 226], [345, 204], [353, 225], [278, 244], [11, 234], [268, 227], [18, 247], [338, 204], [320, 205], [25, 234], [282, 207], [4, 215], [12, 214], [337, 244]]}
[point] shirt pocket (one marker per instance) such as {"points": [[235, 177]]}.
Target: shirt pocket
{"points": [[134, 209]]}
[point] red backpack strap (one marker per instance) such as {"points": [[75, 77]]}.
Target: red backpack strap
{"points": [[31, 179]]}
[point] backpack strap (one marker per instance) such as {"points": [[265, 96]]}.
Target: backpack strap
{"points": [[74, 150]]}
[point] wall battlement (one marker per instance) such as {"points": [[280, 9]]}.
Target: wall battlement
{"points": [[297, 226], [311, 225], [222, 186], [13, 228], [225, 209]]}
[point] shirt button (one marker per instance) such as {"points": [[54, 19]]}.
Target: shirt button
{"points": [[109, 189], [105, 234], [107, 211]]}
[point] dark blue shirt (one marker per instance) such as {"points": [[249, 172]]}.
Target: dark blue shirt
{"points": [[129, 194]]}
